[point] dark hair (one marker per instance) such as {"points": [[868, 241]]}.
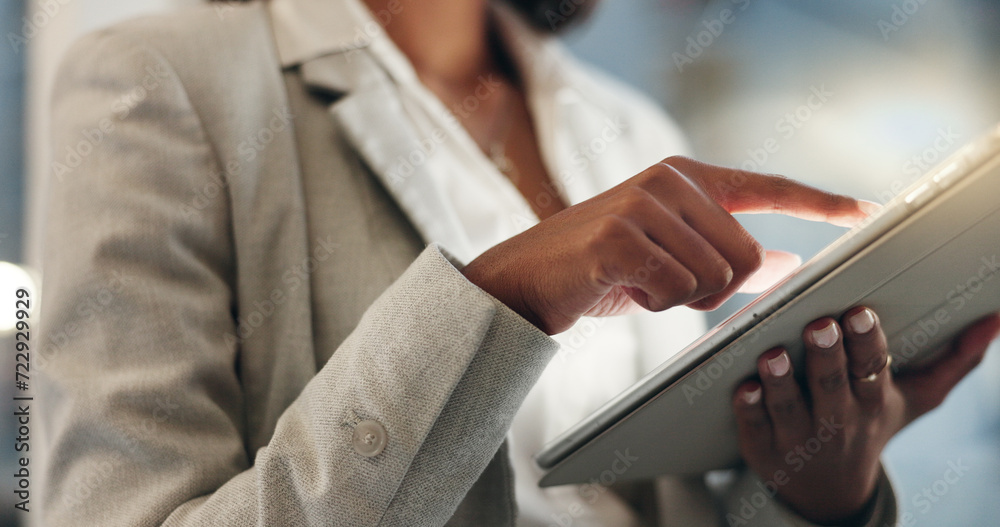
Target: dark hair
{"points": [[554, 15], [547, 15]]}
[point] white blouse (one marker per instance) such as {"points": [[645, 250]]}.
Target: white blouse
{"points": [[587, 146]]}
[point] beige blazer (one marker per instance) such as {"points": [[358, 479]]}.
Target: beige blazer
{"points": [[180, 378]]}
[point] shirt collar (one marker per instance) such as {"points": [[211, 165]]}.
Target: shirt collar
{"points": [[306, 29], [312, 32]]}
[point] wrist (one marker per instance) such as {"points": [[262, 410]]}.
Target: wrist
{"points": [[496, 283], [858, 517], [847, 511]]}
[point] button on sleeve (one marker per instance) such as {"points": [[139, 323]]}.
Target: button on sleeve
{"points": [[369, 438]]}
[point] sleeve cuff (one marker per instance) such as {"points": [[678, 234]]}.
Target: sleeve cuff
{"points": [[751, 504], [881, 510], [441, 367], [504, 313]]}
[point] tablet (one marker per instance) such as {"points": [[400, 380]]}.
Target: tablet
{"points": [[927, 263]]}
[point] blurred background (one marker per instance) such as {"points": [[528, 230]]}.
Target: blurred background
{"points": [[859, 97], [905, 83]]}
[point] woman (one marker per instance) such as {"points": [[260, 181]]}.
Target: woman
{"points": [[245, 328]]}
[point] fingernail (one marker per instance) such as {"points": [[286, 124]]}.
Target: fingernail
{"points": [[862, 322], [826, 337], [752, 396], [868, 207], [779, 365]]}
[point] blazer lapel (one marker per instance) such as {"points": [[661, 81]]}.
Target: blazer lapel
{"points": [[368, 109]]}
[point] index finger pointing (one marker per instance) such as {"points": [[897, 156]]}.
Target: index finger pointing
{"points": [[761, 193], [743, 192]]}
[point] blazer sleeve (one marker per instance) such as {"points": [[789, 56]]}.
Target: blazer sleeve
{"points": [[142, 405]]}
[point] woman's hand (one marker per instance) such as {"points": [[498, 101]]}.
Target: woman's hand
{"points": [[828, 443], [663, 238]]}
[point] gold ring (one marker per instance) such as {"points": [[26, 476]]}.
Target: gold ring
{"points": [[873, 376]]}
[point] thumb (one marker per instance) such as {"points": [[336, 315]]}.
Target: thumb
{"points": [[927, 387]]}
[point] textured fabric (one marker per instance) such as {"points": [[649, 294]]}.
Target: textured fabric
{"points": [[475, 207], [196, 367], [159, 402]]}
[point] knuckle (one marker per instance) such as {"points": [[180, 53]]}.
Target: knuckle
{"points": [[676, 161], [609, 228], [685, 286], [752, 259], [664, 174], [869, 366], [607, 234], [853, 430], [784, 408], [656, 305], [650, 177], [778, 188], [716, 279], [871, 428], [875, 403], [839, 443], [833, 381], [779, 185], [757, 255], [755, 420], [834, 202], [635, 200], [604, 272]]}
